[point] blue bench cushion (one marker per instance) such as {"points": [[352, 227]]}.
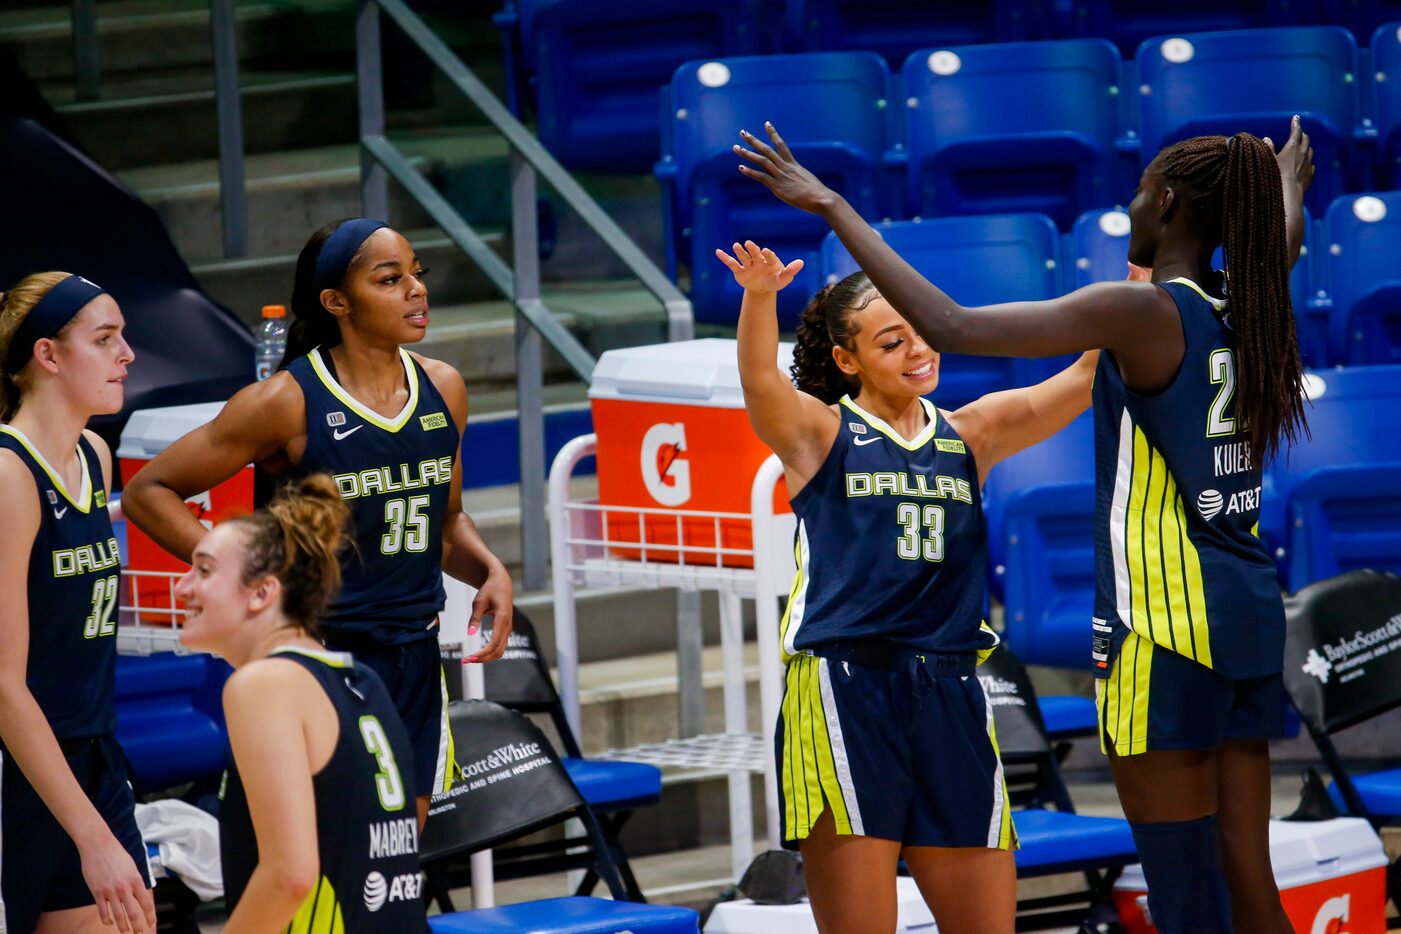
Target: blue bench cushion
{"points": [[1067, 715], [569, 916], [1058, 841], [613, 784], [1381, 792]]}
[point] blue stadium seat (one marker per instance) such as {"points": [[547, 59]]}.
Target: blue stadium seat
{"points": [[1100, 243], [1254, 81], [980, 260], [572, 915], [1128, 22], [1380, 792], [1028, 126], [832, 108], [1386, 90], [170, 720], [1040, 509], [895, 28], [1053, 842], [1360, 17], [597, 66], [1364, 237], [1333, 502]]}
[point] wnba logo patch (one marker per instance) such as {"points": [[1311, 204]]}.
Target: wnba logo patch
{"points": [[1209, 503]]}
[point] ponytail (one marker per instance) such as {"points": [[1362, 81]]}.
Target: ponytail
{"points": [[828, 321], [312, 325], [14, 306], [1235, 191]]}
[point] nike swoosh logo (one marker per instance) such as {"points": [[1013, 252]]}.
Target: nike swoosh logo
{"points": [[342, 435], [58, 513], [860, 441]]}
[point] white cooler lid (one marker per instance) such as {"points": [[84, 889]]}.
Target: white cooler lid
{"points": [[700, 372], [1303, 852], [150, 431]]}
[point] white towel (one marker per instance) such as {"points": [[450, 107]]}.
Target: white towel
{"points": [[189, 844]]}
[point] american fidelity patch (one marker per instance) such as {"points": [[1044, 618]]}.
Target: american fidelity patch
{"points": [[436, 420], [951, 445]]}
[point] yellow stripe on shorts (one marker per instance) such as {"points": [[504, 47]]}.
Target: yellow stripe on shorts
{"points": [[813, 772], [1122, 698]]}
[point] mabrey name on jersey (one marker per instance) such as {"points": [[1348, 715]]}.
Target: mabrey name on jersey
{"points": [[393, 837], [898, 483], [374, 480], [99, 556]]}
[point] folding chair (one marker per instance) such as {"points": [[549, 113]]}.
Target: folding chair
{"points": [[513, 785], [1054, 839], [521, 681]]}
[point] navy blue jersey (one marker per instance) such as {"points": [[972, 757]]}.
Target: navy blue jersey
{"points": [[72, 592], [395, 475], [891, 541], [1177, 555], [366, 818]]}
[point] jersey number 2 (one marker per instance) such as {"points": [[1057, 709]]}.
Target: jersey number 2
{"points": [[1222, 369], [930, 521], [104, 604], [408, 525], [387, 781]]}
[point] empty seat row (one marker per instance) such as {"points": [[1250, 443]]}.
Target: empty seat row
{"points": [[1331, 503]]}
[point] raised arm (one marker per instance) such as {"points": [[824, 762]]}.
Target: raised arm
{"points": [[1114, 315], [257, 423], [1296, 174], [798, 427]]}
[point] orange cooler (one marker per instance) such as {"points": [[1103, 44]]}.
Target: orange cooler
{"points": [[673, 436], [1331, 876], [148, 433]]}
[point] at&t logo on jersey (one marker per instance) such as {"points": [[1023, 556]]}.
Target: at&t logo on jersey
{"points": [[1210, 502], [402, 888]]}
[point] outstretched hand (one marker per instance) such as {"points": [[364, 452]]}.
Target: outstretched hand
{"points": [[1296, 158], [759, 270], [775, 168]]}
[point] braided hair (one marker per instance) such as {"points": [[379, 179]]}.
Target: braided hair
{"points": [[1233, 189], [829, 320]]}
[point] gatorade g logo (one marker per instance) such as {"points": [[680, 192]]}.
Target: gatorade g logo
{"points": [[1332, 916], [665, 473], [200, 507]]}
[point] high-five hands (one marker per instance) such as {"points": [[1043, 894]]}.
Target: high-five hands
{"points": [[759, 270]]}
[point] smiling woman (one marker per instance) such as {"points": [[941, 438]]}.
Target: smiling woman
{"points": [[73, 858], [354, 403]]}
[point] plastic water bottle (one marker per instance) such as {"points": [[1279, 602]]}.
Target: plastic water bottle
{"points": [[271, 341]]}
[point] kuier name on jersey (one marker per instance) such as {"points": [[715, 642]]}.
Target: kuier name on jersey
{"points": [[393, 837], [895, 483], [385, 479], [1231, 458], [85, 558]]}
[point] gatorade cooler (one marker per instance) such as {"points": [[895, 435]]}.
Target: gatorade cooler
{"points": [[148, 433], [673, 436], [1331, 876], [745, 917]]}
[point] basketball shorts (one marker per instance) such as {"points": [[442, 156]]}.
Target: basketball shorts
{"points": [[40, 870], [412, 672], [898, 744], [1156, 699]]}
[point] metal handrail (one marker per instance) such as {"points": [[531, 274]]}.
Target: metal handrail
{"points": [[520, 280]]}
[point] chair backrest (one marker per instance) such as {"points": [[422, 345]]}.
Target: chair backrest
{"points": [[1027, 126], [507, 782], [1342, 656], [833, 111], [1253, 80], [599, 63], [1364, 237], [1386, 90], [1040, 508], [1354, 418], [1129, 22], [978, 261], [894, 28], [1100, 241]]}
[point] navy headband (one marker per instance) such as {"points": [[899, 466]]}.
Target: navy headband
{"points": [[48, 316], [340, 248]]}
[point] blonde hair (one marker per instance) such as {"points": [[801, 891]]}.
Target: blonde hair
{"points": [[298, 538], [14, 306]]}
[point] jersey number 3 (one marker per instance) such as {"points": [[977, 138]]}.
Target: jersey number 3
{"points": [[387, 781], [924, 532]]}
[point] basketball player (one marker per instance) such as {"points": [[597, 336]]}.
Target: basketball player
{"points": [[317, 830], [885, 743], [1200, 385], [73, 859], [386, 424]]}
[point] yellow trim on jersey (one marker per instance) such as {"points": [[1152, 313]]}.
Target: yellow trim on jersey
{"points": [[813, 759], [84, 501], [1121, 699], [795, 609], [919, 440], [1217, 303], [362, 410], [334, 659], [1165, 589], [320, 913]]}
